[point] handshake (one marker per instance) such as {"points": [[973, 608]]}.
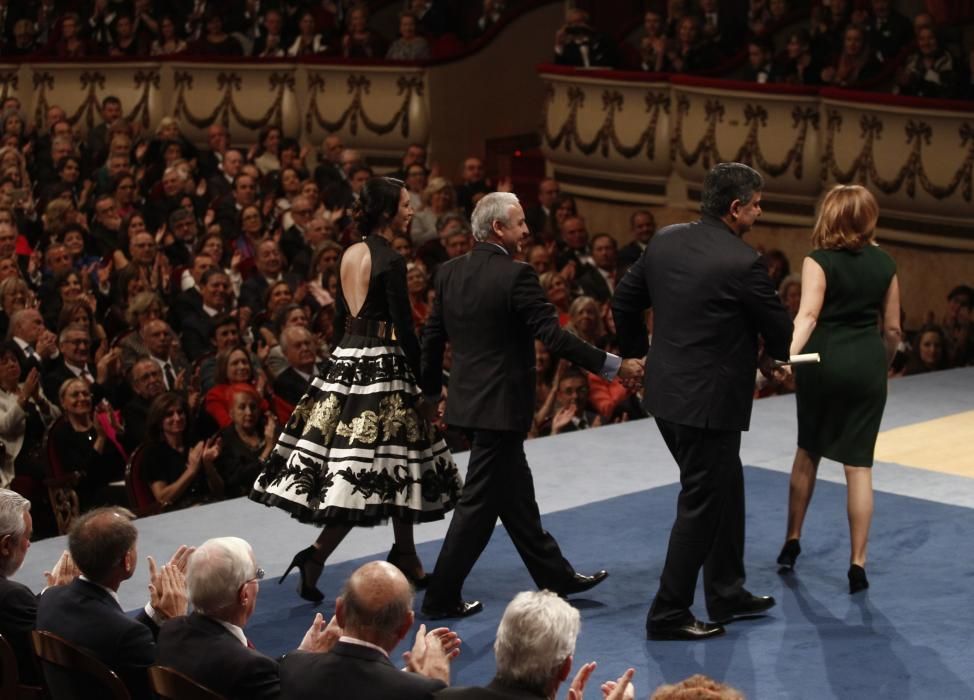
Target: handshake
{"points": [[631, 372]]}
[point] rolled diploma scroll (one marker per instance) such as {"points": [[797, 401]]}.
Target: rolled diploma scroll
{"points": [[806, 359]]}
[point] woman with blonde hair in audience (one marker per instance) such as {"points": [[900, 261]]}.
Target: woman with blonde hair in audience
{"points": [[439, 198], [558, 293], [847, 283], [178, 475], [410, 46], [25, 416], [83, 448], [14, 296]]}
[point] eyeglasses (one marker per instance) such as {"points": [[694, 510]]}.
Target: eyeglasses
{"points": [[77, 342], [302, 212], [258, 575]]}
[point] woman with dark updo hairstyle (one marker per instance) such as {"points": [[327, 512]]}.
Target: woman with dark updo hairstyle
{"points": [[359, 447]]}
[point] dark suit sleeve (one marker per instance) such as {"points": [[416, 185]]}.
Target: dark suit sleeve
{"points": [[397, 297], [261, 679], [770, 316], [630, 300], [538, 314], [195, 339], [136, 651], [19, 617], [434, 344], [250, 295]]}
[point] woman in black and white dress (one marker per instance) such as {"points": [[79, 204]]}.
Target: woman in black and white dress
{"points": [[360, 448]]}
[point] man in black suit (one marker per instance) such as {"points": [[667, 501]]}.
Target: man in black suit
{"points": [[36, 344], [533, 651], [712, 297], [599, 279], [18, 605], [219, 186], [162, 348], [538, 215], [190, 301], [642, 225], [210, 646], [182, 226], [298, 346], [86, 612], [269, 262], [74, 342], [197, 330], [491, 308], [146, 382], [375, 614], [209, 160]]}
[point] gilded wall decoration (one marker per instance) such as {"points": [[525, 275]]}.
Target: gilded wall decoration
{"points": [[607, 136], [229, 84], [918, 134], [359, 85], [9, 80], [706, 150], [751, 153]]}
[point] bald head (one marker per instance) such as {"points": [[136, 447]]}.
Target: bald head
{"points": [[376, 605]]}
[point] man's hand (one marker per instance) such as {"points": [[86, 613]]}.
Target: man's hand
{"points": [[432, 652], [167, 590], [577, 689], [631, 373], [562, 418], [320, 638], [180, 558], [64, 572], [622, 689]]}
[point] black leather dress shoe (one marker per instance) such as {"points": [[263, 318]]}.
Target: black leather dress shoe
{"points": [[692, 631], [752, 606], [579, 583], [461, 609]]}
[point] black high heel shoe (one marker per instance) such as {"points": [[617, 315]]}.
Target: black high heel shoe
{"points": [[310, 571], [789, 553], [857, 579], [396, 556]]}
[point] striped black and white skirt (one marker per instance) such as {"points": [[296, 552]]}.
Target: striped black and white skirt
{"points": [[355, 450]]}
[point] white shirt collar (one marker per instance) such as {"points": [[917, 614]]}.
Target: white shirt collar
{"points": [[363, 643], [233, 629], [210, 311], [78, 371], [24, 345], [303, 375]]}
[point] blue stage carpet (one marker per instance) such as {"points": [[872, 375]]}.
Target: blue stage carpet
{"points": [[909, 636]]}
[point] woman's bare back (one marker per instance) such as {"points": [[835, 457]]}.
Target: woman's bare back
{"points": [[356, 272]]}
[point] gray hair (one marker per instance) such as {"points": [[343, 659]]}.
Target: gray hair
{"points": [[12, 509], [495, 206], [535, 636], [216, 571], [73, 328], [283, 339], [726, 182]]}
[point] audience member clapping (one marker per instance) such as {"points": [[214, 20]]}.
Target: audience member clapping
{"points": [[86, 612], [855, 65], [210, 645], [245, 443], [233, 366], [410, 46], [360, 41], [930, 71], [25, 416], [178, 474]]}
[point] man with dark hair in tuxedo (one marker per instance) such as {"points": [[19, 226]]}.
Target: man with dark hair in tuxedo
{"points": [[711, 296]]}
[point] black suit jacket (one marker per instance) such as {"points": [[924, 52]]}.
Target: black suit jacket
{"points": [[711, 297], [536, 217], [18, 614], [56, 373], [206, 651], [84, 614], [491, 308], [252, 291], [628, 254], [495, 690], [195, 335], [350, 670], [27, 364], [290, 385], [593, 284]]}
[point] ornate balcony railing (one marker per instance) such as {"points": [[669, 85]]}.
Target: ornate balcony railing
{"points": [[638, 138]]}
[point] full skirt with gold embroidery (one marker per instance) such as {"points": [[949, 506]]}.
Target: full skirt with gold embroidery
{"points": [[355, 450]]}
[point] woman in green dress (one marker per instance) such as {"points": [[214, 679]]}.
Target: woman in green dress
{"points": [[850, 315]]}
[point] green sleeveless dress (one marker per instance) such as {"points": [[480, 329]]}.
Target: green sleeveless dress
{"points": [[841, 400]]}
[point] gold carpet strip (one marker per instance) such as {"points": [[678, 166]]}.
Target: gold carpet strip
{"points": [[943, 445]]}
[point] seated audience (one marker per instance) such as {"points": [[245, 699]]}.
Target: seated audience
{"points": [[929, 351], [18, 604], [210, 645], [930, 71], [577, 43], [233, 366], [25, 416], [83, 448], [178, 475], [410, 46], [375, 613], [86, 611], [855, 66], [534, 650], [244, 444]]}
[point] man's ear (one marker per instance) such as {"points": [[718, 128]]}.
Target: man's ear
{"points": [[735, 208]]}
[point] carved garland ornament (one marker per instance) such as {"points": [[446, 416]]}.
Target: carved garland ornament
{"points": [[358, 86], [918, 133], [91, 83], [9, 80], [230, 83], [606, 136]]}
